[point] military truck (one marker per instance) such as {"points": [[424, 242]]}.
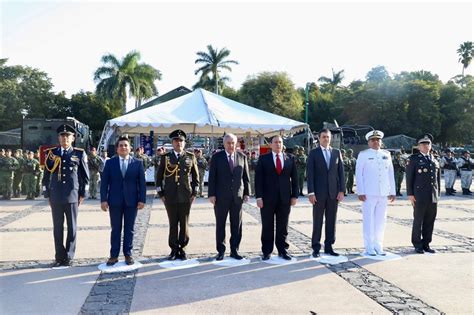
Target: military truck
{"points": [[38, 132]]}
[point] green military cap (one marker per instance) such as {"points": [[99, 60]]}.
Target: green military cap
{"points": [[350, 151], [343, 151], [19, 151]]}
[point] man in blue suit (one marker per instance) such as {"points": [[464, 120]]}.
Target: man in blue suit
{"points": [[64, 185], [123, 190]]}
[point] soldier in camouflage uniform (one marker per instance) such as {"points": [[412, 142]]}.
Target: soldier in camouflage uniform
{"points": [[30, 169], [350, 171], [18, 174], [252, 166], [25, 157], [345, 162], [95, 165], [7, 167], [399, 171], [155, 161], [300, 160], [202, 166], [140, 154], [39, 177]]}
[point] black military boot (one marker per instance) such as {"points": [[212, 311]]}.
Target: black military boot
{"points": [[449, 192], [464, 191]]}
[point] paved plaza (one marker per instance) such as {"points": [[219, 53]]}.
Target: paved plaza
{"points": [[414, 284]]}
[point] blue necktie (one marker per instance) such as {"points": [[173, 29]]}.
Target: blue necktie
{"points": [[124, 167], [326, 157]]}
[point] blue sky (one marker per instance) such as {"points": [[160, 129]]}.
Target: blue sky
{"points": [[306, 39]]}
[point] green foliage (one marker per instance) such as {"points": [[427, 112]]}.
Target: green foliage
{"points": [[213, 61], [115, 78], [273, 92], [465, 52]]}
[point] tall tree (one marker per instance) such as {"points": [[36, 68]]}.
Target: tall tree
{"points": [[212, 62], [332, 83], [117, 78], [465, 52], [273, 92]]}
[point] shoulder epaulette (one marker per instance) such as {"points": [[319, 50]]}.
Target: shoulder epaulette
{"points": [[78, 149], [52, 148]]}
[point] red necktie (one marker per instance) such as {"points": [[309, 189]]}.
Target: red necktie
{"points": [[278, 164]]}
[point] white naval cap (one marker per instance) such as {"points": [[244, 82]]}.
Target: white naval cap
{"points": [[374, 134]]}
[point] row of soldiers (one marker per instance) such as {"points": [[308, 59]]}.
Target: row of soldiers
{"points": [[20, 174]]}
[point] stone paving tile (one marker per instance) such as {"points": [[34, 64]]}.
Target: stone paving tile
{"points": [[44, 220], [45, 291], [443, 281], [205, 215], [464, 228], [304, 287]]}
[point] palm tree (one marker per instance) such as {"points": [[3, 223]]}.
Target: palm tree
{"points": [[208, 83], [115, 78], [333, 82], [213, 61], [465, 52]]}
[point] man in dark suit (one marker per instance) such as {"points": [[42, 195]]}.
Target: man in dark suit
{"points": [[276, 189], [423, 190], [123, 190], [325, 174], [229, 187], [176, 183], [64, 184]]}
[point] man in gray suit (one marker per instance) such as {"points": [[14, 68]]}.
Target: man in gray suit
{"points": [[229, 187], [325, 175]]}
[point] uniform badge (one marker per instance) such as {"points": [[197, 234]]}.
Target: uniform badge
{"points": [[74, 158], [187, 161], [385, 158]]}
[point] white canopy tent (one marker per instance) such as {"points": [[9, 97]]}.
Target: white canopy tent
{"points": [[202, 113]]}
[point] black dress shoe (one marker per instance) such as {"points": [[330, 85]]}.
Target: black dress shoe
{"points": [[129, 260], [429, 250], [315, 254], [56, 264], [66, 263], [220, 256], [419, 250], [266, 256], [182, 254], [236, 255], [331, 252], [112, 261], [285, 256], [173, 255]]}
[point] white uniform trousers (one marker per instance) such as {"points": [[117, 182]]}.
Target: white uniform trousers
{"points": [[449, 178], [466, 179], [374, 212]]}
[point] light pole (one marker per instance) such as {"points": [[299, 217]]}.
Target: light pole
{"points": [[23, 112], [308, 84]]}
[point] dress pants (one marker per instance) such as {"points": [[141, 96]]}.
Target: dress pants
{"points": [[128, 216], [234, 209], [326, 207], [424, 214], [374, 213], [271, 212], [178, 217], [59, 210]]}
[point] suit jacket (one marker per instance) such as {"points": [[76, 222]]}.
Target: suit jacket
{"points": [[119, 191], [423, 178], [271, 187], [225, 184], [177, 180], [65, 177], [321, 181]]}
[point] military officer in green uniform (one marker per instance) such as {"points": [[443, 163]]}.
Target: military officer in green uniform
{"points": [[399, 170], [202, 166], [18, 174], [95, 165], [350, 171], [39, 178], [30, 172], [300, 167], [7, 167], [176, 183], [140, 154], [252, 167], [345, 162]]}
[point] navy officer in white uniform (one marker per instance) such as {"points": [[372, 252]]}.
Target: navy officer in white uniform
{"points": [[375, 186]]}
